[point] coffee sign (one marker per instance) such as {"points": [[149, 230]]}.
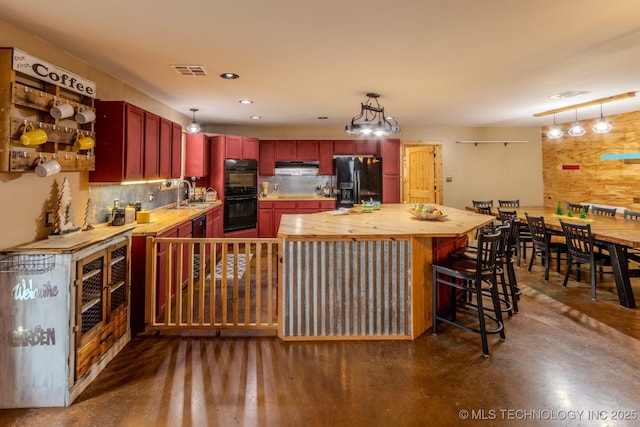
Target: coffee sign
{"points": [[35, 67]]}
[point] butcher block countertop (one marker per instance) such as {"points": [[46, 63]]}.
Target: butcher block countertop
{"points": [[390, 220], [163, 219]]}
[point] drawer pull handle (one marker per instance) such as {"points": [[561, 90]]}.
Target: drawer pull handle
{"points": [[103, 340]]}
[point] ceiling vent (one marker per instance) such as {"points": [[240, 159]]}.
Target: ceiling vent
{"points": [[190, 70]]}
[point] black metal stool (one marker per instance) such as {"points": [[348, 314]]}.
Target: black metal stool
{"points": [[465, 279]]}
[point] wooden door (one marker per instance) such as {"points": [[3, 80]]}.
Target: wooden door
{"points": [[422, 180]]}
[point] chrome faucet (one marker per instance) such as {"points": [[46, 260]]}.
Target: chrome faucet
{"points": [[190, 190]]}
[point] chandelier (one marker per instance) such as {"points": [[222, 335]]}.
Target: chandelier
{"points": [[372, 120]]}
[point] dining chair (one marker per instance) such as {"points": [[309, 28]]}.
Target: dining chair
{"points": [[580, 244], [485, 210], [631, 215], [467, 282], [577, 207], [483, 203], [543, 245], [599, 210], [509, 203]]}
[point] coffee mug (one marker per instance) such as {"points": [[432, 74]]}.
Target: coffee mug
{"points": [[83, 142], [84, 116], [60, 110], [32, 136], [46, 167]]}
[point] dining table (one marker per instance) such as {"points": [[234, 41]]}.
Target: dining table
{"points": [[617, 233]]}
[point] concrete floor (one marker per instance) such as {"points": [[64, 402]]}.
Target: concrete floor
{"points": [[567, 361]]}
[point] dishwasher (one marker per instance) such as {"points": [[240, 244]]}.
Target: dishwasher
{"points": [[198, 231]]}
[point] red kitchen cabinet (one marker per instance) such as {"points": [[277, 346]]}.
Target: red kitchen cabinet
{"points": [[250, 148], [197, 155], [119, 142], [286, 150], [344, 147], [307, 150], [265, 219], [270, 213], [165, 148], [233, 146], [279, 209], [176, 150], [267, 158], [390, 188], [325, 153], [390, 153], [307, 207], [368, 147], [214, 223], [151, 145]]}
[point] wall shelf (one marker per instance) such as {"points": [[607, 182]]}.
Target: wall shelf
{"points": [[501, 141]]}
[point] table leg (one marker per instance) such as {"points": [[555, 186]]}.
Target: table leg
{"points": [[621, 275]]}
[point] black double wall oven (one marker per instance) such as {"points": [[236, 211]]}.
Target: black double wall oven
{"points": [[240, 194]]}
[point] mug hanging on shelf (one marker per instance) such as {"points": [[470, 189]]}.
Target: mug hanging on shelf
{"points": [[60, 110], [32, 136], [82, 142], [46, 167], [84, 116]]}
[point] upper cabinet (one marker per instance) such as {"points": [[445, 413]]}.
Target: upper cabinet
{"points": [[197, 155], [151, 145], [132, 144], [390, 153], [237, 147], [42, 115], [176, 150], [267, 158]]}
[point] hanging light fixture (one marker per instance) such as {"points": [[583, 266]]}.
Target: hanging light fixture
{"points": [[554, 132], [576, 129], [372, 120], [193, 127], [602, 126]]}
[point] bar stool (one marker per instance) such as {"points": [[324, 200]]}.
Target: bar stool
{"points": [[465, 279]]}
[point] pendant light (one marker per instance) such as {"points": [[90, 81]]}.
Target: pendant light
{"points": [[193, 127], [554, 132], [576, 129], [372, 120], [602, 126]]}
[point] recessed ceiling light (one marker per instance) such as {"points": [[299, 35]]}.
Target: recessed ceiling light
{"points": [[245, 101], [229, 76], [568, 94], [323, 118], [255, 117]]}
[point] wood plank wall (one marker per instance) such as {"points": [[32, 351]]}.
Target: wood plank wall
{"points": [[573, 171]]}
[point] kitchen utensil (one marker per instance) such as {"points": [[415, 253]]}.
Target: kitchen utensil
{"points": [[118, 216], [84, 116], [143, 217], [82, 142]]}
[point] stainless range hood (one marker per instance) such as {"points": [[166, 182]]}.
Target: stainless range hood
{"points": [[309, 168]]}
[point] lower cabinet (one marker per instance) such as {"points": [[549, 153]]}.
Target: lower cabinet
{"points": [[270, 212], [102, 301], [65, 317]]}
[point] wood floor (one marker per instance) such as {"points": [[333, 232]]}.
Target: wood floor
{"points": [[567, 360]]}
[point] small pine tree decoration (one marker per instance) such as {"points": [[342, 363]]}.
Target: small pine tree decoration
{"points": [[570, 213], [559, 209], [583, 213]]}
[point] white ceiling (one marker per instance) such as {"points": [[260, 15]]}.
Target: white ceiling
{"points": [[435, 62]]}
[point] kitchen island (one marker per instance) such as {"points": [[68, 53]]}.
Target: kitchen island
{"points": [[363, 275]]}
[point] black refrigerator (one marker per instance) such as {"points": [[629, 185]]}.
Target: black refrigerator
{"points": [[357, 179]]}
